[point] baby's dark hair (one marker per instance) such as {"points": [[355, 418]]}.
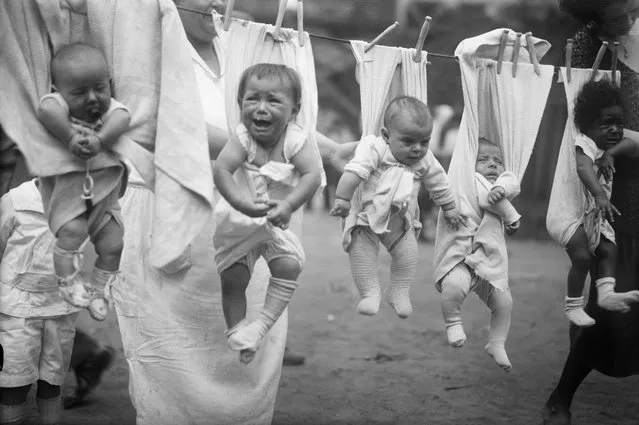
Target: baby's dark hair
{"points": [[594, 97], [415, 107], [71, 52], [286, 75]]}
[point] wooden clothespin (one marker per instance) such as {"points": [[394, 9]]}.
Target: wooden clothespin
{"points": [[569, 44], [421, 39], [533, 56], [615, 53], [379, 37], [516, 53], [280, 18], [600, 55], [227, 14], [300, 22], [502, 49]]}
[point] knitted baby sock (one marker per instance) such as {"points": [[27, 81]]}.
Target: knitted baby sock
{"points": [[575, 312], [247, 338], [99, 307], [456, 335], [608, 299], [13, 415], [403, 267], [363, 255], [500, 304], [49, 410], [67, 265], [454, 288]]}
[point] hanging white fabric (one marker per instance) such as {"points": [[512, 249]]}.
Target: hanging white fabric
{"points": [[507, 110], [568, 201]]}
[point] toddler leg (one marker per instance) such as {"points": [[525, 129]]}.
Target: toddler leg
{"points": [[13, 405], [403, 267], [607, 298], [49, 403], [108, 245], [363, 254], [281, 286], [500, 304], [580, 258], [454, 290], [235, 280], [67, 261]]}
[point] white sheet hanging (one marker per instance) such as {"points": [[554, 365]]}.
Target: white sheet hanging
{"points": [[568, 201], [507, 111]]}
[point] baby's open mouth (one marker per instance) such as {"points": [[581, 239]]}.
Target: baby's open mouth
{"points": [[94, 113], [261, 124]]}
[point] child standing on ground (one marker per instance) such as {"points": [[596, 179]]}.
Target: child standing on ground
{"points": [[599, 116], [82, 115], [278, 171], [494, 187], [37, 325], [390, 170]]}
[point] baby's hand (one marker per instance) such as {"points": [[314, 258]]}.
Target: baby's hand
{"points": [[606, 164], [78, 146], [454, 218], [341, 208], [253, 208], [280, 213], [92, 143], [496, 194], [512, 227], [606, 209]]}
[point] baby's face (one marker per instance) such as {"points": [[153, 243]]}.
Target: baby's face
{"points": [[490, 163], [607, 131], [84, 85], [408, 139], [267, 108]]}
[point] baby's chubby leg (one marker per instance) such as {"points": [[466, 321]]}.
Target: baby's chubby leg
{"points": [[580, 258], [281, 286], [67, 260], [607, 298], [403, 267], [454, 290], [235, 279], [362, 255], [108, 245], [500, 304]]}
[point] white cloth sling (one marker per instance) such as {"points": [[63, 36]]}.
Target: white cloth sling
{"points": [[172, 325], [252, 43], [383, 73], [508, 112], [568, 202]]}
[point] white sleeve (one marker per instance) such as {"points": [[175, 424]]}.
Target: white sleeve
{"points": [[366, 159]]}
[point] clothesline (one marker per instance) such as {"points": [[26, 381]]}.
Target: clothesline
{"points": [[341, 40], [438, 55]]}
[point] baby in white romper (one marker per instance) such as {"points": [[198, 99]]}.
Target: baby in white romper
{"points": [[377, 196], [266, 172]]}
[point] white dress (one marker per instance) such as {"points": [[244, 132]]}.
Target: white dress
{"points": [[172, 325]]}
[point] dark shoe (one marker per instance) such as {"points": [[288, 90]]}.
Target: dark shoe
{"points": [[292, 359], [89, 373], [555, 415]]}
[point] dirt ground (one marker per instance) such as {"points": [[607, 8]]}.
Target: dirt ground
{"points": [[385, 370]]}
